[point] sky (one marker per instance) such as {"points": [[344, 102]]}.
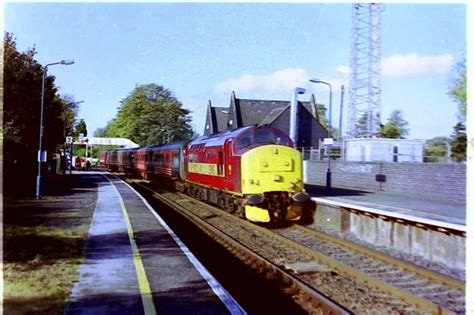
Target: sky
{"points": [[204, 51]]}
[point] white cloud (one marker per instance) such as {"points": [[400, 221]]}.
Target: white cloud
{"points": [[344, 70], [274, 83], [279, 84], [409, 65]]}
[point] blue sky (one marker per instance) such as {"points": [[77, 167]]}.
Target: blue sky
{"points": [[203, 51]]}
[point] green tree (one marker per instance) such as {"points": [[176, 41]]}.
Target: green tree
{"points": [[81, 128], [150, 114], [70, 112], [100, 132], [458, 90], [436, 149], [459, 143], [396, 126], [321, 116], [458, 93], [22, 81]]}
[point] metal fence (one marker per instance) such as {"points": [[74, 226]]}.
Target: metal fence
{"points": [[338, 152]]}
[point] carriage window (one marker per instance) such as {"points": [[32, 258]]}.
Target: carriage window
{"points": [[175, 159]]}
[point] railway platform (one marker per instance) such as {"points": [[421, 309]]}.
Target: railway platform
{"points": [[442, 210], [135, 264]]}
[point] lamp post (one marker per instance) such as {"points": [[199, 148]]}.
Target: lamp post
{"points": [[328, 173], [40, 155]]}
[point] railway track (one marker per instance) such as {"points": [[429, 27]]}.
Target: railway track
{"points": [[410, 282], [324, 274]]}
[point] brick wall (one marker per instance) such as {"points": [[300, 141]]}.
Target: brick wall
{"points": [[446, 181]]}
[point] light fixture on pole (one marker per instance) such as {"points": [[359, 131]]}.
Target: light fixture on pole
{"points": [[329, 142], [41, 157]]}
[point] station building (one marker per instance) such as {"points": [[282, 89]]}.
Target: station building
{"points": [[248, 112]]}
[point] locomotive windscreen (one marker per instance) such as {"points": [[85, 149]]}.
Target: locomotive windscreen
{"points": [[260, 136]]}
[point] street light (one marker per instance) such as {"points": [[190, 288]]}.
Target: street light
{"points": [[328, 173], [40, 158]]}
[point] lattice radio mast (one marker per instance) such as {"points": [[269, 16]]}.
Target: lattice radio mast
{"points": [[364, 85]]}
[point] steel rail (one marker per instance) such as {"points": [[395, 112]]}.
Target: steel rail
{"points": [[431, 275], [307, 297], [424, 305]]}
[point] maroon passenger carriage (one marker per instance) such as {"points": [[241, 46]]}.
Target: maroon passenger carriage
{"points": [[141, 162], [166, 162]]}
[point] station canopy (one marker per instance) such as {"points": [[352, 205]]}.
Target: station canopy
{"points": [[122, 142]]}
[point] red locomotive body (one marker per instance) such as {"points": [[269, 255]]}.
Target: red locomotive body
{"points": [[210, 161], [215, 161]]}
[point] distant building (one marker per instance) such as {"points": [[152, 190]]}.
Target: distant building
{"points": [[381, 149], [248, 112]]}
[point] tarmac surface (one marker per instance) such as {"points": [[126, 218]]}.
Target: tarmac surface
{"points": [[429, 208]]}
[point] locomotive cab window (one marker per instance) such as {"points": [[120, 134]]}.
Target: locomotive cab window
{"points": [[259, 136]]}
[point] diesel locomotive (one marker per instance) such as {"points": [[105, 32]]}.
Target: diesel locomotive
{"points": [[253, 171]]}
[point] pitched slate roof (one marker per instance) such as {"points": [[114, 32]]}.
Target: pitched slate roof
{"points": [[255, 111], [221, 115], [248, 112], [263, 112]]}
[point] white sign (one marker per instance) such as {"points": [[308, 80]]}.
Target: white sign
{"points": [[328, 141], [68, 140]]}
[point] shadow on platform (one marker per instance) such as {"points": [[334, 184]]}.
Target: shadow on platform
{"points": [[316, 190]]}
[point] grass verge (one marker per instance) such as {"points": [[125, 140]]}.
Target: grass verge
{"points": [[43, 247]]}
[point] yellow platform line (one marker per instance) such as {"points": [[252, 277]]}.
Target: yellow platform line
{"points": [[143, 284]]}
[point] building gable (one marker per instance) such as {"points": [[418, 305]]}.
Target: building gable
{"points": [[248, 112]]}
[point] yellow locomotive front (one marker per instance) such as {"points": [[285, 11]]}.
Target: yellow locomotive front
{"points": [[272, 183]]}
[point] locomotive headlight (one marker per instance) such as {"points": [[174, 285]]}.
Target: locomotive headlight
{"points": [[300, 197], [255, 199]]}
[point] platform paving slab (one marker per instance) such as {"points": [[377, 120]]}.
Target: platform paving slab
{"points": [[107, 279], [178, 287], [430, 208], [108, 282]]}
